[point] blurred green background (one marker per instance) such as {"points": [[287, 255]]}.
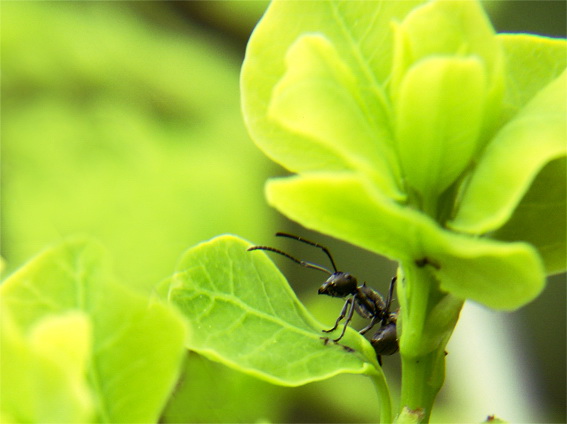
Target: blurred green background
{"points": [[121, 120]]}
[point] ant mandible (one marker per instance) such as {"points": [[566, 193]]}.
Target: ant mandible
{"points": [[368, 303]]}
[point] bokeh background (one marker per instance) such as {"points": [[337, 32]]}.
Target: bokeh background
{"points": [[121, 120]]}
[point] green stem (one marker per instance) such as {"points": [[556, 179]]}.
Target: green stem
{"points": [[385, 400], [422, 377], [428, 316]]}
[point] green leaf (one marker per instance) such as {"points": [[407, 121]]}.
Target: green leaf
{"points": [[136, 343], [343, 205], [242, 312], [540, 220], [512, 160], [503, 276], [447, 28], [451, 29], [354, 29], [318, 98], [209, 392], [499, 275], [43, 373], [439, 115], [532, 62]]}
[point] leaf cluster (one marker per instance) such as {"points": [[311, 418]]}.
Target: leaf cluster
{"points": [[415, 131], [79, 347]]}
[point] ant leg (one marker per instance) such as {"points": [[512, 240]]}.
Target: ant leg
{"points": [[341, 316], [389, 299], [374, 321], [326, 341], [347, 321]]}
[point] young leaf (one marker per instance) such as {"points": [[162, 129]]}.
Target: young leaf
{"points": [[319, 98], [532, 62], [540, 220], [242, 312], [43, 373], [136, 344], [353, 28], [451, 29], [438, 121], [520, 150], [502, 276], [459, 153]]}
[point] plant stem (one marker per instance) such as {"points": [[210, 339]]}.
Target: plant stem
{"points": [[428, 317], [422, 377], [384, 397]]}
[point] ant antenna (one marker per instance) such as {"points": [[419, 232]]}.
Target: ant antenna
{"points": [[304, 264], [312, 243]]}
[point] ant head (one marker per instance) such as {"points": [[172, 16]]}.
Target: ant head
{"points": [[339, 284]]}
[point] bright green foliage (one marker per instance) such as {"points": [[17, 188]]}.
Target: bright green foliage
{"points": [[534, 137], [527, 223], [434, 148], [210, 392], [78, 347], [418, 133], [447, 85], [242, 312], [356, 58], [321, 88], [43, 373], [401, 129]]}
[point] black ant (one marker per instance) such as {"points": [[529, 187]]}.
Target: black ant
{"points": [[367, 302]]}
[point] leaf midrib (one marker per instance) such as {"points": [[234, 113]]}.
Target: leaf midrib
{"points": [[249, 309]]}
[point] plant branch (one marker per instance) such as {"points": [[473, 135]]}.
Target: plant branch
{"points": [[428, 317], [385, 399]]}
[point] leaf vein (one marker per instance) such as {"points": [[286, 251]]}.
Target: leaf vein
{"points": [[261, 314]]}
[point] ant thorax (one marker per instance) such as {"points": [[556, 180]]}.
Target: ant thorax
{"points": [[369, 303]]}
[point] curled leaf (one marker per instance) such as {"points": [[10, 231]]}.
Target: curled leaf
{"points": [[457, 30], [540, 220]]}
